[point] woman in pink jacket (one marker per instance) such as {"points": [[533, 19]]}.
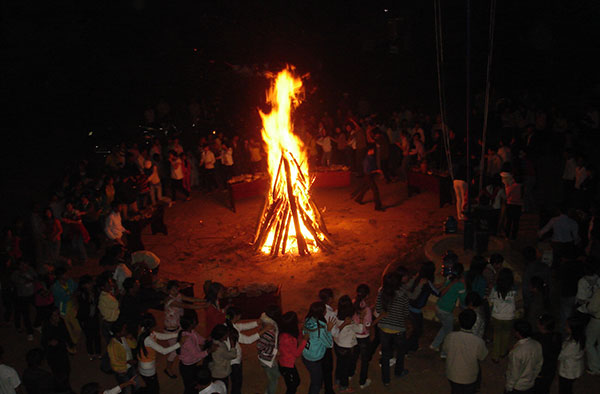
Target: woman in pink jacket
{"points": [[290, 348]]}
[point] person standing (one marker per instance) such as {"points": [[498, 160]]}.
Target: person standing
{"points": [[525, 361], [208, 161], [514, 204], [191, 353], [592, 333], [147, 347], [464, 351], [113, 226], [369, 182], [392, 303], [268, 345], [52, 236], [24, 280], [363, 350], [63, 291], [452, 290], [551, 344], [177, 176], [571, 363], [503, 303], [236, 337], [36, 379], [120, 352], [87, 315], [291, 346], [320, 339], [151, 170], [345, 341], [108, 305], [55, 341], [461, 190]]}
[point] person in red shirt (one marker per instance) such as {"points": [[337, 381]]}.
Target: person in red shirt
{"points": [[291, 346]]}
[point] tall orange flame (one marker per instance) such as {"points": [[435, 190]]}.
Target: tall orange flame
{"points": [[289, 210]]}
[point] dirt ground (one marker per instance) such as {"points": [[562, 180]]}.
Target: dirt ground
{"points": [[208, 241]]}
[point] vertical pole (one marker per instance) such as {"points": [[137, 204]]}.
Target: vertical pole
{"points": [[469, 230], [468, 103]]}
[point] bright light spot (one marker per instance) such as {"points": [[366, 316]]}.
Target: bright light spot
{"points": [[90, 133], [385, 10], [214, 132], [195, 49]]}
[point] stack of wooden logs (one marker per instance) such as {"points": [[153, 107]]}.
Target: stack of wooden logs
{"points": [[282, 207]]}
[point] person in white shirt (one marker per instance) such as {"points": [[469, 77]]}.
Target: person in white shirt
{"points": [[464, 351], [326, 295], [207, 162], [151, 169], [113, 227], [503, 303], [233, 317], [177, 176], [571, 364], [587, 286], [147, 347], [525, 360], [9, 378], [345, 341], [325, 142]]}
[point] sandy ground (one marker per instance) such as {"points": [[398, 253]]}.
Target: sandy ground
{"points": [[208, 241]]}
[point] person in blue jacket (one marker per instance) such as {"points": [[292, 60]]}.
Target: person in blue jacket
{"points": [[319, 341]]}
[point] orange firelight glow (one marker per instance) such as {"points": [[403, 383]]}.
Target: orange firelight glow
{"points": [[289, 208]]}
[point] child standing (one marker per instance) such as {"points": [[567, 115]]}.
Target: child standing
{"points": [[233, 316], [345, 341], [267, 346], [319, 331], [290, 348], [502, 300], [570, 359], [220, 365], [363, 350]]}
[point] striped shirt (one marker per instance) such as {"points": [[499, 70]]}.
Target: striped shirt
{"points": [[267, 346], [397, 312]]}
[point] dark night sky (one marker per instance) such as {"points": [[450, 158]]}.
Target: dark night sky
{"points": [[72, 66]]}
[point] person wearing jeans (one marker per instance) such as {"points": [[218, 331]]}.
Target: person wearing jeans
{"points": [[452, 290], [392, 304], [447, 320]]}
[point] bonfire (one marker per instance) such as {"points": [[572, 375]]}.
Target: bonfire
{"points": [[290, 221]]}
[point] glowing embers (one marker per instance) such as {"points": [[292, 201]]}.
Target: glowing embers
{"points": [[290, 221]]}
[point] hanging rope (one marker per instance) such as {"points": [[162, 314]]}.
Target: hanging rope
{"points": [[487, 92], [439, 51]]}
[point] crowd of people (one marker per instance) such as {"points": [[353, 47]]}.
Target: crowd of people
{"points": [[95, 209]]}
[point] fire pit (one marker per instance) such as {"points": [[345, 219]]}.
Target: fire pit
{"points": [[290, 221]]}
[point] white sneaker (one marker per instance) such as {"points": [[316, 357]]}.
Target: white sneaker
{"points": [[367, 384], [392, 361]]}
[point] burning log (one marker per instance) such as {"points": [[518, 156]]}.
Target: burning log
{"points": [[288, 198]]}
